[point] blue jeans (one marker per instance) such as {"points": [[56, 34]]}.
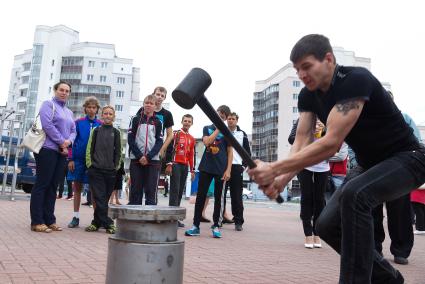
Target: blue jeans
{"points": [[346, 223], [337, 180], [144, 180], [49, 170]]}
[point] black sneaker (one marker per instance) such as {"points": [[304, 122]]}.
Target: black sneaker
{"points": [[205, 220], [228, 221], [180, 224], [400, 260], [238, 227], [86, 203], [75, 222]]}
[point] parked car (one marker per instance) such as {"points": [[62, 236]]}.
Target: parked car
{"points": [[246, 194], [26, 174]]}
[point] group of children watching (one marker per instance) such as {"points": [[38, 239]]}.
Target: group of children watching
{"points": [[96, 159]]}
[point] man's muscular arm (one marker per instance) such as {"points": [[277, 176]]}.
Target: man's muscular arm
{"points": [[340, 121]]}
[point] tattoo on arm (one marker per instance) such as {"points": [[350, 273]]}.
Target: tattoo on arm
{"points": [[347, 106]]}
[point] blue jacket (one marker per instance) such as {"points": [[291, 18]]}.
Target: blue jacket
{"points": [[83, 126]]}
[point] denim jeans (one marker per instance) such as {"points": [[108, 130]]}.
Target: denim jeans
{"points": [[346, 223], [49, 169], [338, 180], [144, 180], [177, 183]]}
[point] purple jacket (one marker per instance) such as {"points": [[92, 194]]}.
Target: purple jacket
{"points": [[61, 128]]}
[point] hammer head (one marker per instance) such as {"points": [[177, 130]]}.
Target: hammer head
{"points": [[191, 88]]}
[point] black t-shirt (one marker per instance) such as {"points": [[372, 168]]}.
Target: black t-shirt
{"points": [[380, 130], [166, 118]]}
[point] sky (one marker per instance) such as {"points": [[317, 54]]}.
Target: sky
{"points": [[236, 42]]}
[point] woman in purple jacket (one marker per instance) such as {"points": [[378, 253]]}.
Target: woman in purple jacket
{"points": [[58, 123]]}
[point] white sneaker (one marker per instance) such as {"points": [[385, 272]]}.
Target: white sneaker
{"points": [[309, 242], [317, 242], [416, 232]]}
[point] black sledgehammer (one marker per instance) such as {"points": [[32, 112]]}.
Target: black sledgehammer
{"points": [[191, 92]]}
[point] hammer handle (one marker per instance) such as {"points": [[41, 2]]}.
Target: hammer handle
{"points": [[205, 105]]}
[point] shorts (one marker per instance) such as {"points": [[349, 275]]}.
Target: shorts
{"points": [[80, 172]]}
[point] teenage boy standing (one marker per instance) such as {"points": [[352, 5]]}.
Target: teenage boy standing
{"points": [[238, 166], [145, 141], [216, 163], [103, 158], [180, 160], [77, 170]]}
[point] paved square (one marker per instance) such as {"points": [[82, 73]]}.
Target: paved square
{"points": [[270, 249]]}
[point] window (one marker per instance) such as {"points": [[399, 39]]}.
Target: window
{"points": [[104, 64], [120, 94], [21, 106], [53, 62], [51, 76], [295, 96], [102, 78], [27, 66], [25, 79], [89, 77], [296, 83], [91, 63], [294, 109], [118, 107], [120, 80]]}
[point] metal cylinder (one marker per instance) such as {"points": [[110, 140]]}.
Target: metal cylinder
{"points": [[145, 248]]}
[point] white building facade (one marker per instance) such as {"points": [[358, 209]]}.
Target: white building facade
{"points": [[276, 107], [93, 69]]}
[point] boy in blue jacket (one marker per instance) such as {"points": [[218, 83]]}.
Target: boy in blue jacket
{"points": [[77, 163]]}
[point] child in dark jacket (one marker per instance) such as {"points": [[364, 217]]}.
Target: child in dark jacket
{"points": [[103, 158], [145, 141]]}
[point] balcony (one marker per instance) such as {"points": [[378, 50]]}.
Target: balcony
{"points": [[23, 86], [21, 100]]}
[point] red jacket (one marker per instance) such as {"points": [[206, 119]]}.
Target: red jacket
{"points": [[182, 149], [418, 196], [338, 168]]}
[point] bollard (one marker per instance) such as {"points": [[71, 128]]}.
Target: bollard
{"points": [[145, 248]]}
